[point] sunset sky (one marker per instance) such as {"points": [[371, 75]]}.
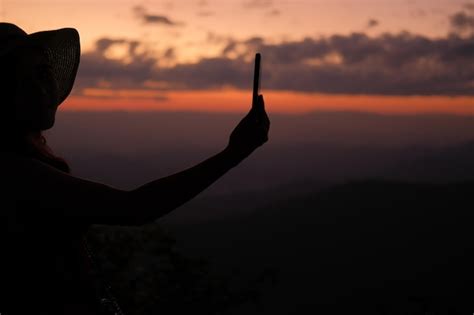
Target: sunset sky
{"points": [[389, 56]]}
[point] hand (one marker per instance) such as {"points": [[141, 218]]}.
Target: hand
{"points": [[251, 132]]}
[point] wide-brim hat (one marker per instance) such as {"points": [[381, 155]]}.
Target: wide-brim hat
{"points": [[61, 45]]}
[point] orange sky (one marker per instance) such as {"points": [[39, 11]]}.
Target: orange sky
{"points": [[276, 102], [273, 20]]}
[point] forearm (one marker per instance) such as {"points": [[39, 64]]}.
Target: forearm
{"points": [[161, 196]]}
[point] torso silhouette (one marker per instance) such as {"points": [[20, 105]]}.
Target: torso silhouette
{"points": [[43, 265], [45, 213]]}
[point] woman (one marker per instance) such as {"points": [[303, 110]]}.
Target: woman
{"points": [[45, 211]]}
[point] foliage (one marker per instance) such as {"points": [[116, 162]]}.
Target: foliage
{"points": [[149, 275]]}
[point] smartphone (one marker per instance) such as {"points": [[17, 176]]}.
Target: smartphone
{"points": [[256, 79]]}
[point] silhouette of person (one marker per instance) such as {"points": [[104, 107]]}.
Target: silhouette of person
{"points": [[45, 211]]}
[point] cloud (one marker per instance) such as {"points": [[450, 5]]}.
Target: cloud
{"points": [[169, 53], [274, 12], [105, 43], [98, 70], [209, 73], [156, 19], [373, 23], [462, 22], [419, 13], [258, 4], [389, 64], [205, 13], [469, 6], [401, 64], [230, 47], [213, 38]]}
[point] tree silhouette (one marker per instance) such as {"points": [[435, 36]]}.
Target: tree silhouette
{"points": [[149, 275]]}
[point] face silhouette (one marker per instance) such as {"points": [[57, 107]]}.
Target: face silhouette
{"points": [[35, 99]]}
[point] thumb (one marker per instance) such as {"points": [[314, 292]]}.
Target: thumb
{"points": [[261, 101], [260, 104]]}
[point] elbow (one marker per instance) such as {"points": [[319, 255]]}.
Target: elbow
{"points": [[138, 211], [142, 206], [123, 208]]}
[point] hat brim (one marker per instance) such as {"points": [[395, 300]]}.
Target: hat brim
{"points": [[63, 49]]}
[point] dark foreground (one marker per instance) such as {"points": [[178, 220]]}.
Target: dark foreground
{"points": [[367, 247]]}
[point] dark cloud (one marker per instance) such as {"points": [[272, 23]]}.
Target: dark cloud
{"points": [[258, 3], [462, 22], [230, 47], [97, 70], [469, 6], [213, 38], [169, 53], [264, 5], [254, 42], [373, 23], [419, 13], [208, 73], [274, 12], [205, 13], [156, 19], [103, 44], [390, 64], [403, 64]]}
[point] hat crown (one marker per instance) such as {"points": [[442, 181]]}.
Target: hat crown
{"points": [[10, 31], [62, 47]]}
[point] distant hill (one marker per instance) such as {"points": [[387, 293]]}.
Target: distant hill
{"points": [[302, 204], [127, 149], [368, 246], [453, 163]]}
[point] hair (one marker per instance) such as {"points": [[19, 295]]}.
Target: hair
{"points": [[34, 145]]}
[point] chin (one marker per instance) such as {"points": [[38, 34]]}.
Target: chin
{"points": [[47, 120], [47, 124]]}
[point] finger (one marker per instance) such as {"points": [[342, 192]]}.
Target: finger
{"points": [[265, 116], [261, 103], [263, 137], [255, 101], [258, 104], [266, 120], [262, 114], [257, 109], [262, 132]]}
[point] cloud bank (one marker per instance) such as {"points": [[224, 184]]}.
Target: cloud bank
{"points": [[155, 19], [389, 64]]}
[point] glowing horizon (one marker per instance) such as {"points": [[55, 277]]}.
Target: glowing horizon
{"points": [[284, 102], [123, 40]]}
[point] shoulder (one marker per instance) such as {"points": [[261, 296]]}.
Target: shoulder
{"points": [[11, 183], [9, 162], [12, 159], [20, 173], [6, 156], [14, 165]]}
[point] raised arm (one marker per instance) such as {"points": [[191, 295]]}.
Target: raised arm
{"points": [[161, 196], [62, 195]]}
